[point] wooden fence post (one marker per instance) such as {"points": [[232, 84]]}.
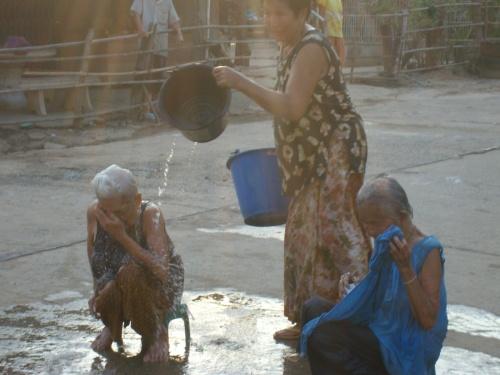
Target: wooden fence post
{"points": [[477, 17], [140, 93], [483, 16], [403, 34], [79, 98]]}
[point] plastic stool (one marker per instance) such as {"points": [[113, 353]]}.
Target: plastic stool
{"points": [[180, 311]]}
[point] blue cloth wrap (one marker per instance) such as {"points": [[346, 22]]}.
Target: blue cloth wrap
{"points": [[380, 301]]}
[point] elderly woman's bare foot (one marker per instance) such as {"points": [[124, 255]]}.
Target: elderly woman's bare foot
{"points": [[103, 341], [158, 351], [288, 334]]}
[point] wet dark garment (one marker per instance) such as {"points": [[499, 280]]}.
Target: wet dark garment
{"points": [[341, 347], [133, 297], [109, 256], [132, 294], [303, 146]]}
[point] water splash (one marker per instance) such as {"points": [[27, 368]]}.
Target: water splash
{"points": [[191, 154], [163, 188]]}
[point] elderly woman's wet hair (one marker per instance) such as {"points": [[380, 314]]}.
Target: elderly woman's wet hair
{"points": [[115, 182], [386, 192]]}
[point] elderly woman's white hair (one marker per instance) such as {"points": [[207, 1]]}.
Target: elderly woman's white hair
{"points": [[386, 192], [115, 182]]}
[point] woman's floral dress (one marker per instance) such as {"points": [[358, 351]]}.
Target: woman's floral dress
{"points": [[318, 157]]}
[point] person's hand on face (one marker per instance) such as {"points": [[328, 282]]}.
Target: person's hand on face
{"points": [[400, 252], [227, 77], [111, 223]]}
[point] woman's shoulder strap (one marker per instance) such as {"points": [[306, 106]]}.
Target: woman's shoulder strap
{"points": [[316, 37]]}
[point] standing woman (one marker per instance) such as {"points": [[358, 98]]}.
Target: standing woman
{"points": [[321, 148]]}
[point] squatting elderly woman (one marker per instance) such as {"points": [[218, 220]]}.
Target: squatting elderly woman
{"points": [[322, 150], [394, 321], [137, 275]]}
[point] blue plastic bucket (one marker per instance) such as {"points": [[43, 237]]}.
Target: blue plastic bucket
{"points": [[257, 181]]}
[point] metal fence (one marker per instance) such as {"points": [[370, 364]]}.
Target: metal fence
{"points": [[409, 39], [491, 14]]}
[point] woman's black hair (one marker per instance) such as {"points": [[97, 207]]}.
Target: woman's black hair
{"points": [[297, 5]]}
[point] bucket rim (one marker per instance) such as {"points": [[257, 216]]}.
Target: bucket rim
{"points": [[164, 115], [237, 154]]}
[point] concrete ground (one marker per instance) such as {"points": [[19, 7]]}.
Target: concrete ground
{"points": [[440, 137]]}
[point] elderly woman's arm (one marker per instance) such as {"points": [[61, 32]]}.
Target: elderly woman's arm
{"points": [[91, 232], [91, 226], [309, 67], [155, 260], [423, 289]]}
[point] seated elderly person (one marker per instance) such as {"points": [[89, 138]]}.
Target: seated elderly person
{"points": [[137, 275], [394, 321]]}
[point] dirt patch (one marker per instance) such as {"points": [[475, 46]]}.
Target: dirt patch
{"points": [[16, 138], [31, 136]]}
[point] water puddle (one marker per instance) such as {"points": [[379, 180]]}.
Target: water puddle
{"points": [[457, 361], [455, 180], [67, 294], [473, 321], [231, 333], [464, 319], [277, 232]]}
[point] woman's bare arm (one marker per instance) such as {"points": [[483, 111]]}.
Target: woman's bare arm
{"points": [[156, 234], [309, 67], [177, 27], [138, 24], [91, 228], [423, 289], [423, 292]]}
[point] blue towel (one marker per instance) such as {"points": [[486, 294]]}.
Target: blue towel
{"points": [[380, 302]]}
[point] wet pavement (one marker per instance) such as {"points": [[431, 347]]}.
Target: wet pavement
{"points": [[441, 143], [231, 334]]}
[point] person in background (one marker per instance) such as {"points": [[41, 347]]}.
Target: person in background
{"points": [[394, 321], [321, 149], [333, 12], [138, 277], [233, 14], [156, 16]]}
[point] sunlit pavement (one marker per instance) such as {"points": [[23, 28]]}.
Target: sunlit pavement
{"points": [[443, 144]]}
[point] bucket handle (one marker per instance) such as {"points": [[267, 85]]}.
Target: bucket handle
{"points": [[232, 155]]}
